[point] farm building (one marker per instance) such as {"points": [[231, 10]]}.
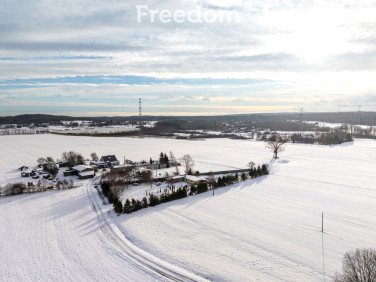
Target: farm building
{"points": [[176, 179], [82, 168], [86, 174], [70, 172], [193, 180], [122, 168], [108, 161]]}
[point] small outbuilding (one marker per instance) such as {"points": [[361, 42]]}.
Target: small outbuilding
{"points": [[70, 172], [83, 168], [193, 180], [86, 174], [176, 179]]}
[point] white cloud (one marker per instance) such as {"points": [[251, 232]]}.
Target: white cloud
{"points": [[317, 47]]}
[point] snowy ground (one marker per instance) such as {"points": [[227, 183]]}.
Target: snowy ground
{"points": [[266, 229], [269, 229], [222, 154], [55, 236]]}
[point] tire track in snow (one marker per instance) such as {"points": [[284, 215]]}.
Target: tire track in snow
{"points": [[150, 264]]}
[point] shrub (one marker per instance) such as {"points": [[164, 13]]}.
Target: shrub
{"points": [[128, 206], [243, 176], [153, 200], [202, 187], [118, 207], [18, 188], [144, 203]]}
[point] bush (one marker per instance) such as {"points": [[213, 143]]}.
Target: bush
{"points": [[153, 200], [128, 206], [358, 265], [118, 207], [144, 203], [243, 176], [202, 187]]}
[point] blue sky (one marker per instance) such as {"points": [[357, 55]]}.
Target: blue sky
{"points": [[95, 58]]}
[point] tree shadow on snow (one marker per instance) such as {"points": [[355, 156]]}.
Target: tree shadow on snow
{"points": [[198, 200]]}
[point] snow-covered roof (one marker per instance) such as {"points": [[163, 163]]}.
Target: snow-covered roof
{"points": [[177, 177], [120, 166], [86, 173], [192, 178], [82, 167]]}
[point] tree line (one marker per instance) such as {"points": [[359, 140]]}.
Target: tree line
{"points": [[172, 193], [332, 138]]}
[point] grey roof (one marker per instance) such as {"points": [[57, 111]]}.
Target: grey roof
{"points": [[109, 158]]}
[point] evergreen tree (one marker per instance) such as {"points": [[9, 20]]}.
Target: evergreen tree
{"points": [[264, 169], [118, 207], [133, 202], [138, 205], [259, 172], [220, 183], [202, 187], [144, 203], [127, 206], [110, 197], [153, 200]]}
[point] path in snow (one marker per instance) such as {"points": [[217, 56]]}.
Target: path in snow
{"points": [[55, 236]]}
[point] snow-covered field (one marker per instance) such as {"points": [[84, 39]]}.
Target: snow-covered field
{"points": [[55, 236], [267, 229], [223, 154]]}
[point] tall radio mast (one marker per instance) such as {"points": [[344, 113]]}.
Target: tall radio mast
{"points": [[140, 115]]}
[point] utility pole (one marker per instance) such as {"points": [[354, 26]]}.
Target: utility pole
{"points": [[212, 181], [322, 222], [360, 114], [301, 118]]}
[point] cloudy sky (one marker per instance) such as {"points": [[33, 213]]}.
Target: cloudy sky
{"points": [[90, 58]]}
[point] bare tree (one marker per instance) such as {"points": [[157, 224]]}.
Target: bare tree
{"points": [[358, 266], [73, 158], [251, 164], [94, 157], [188, 163], [172, 158], [276, 145], [41, 160], [50, 160], [147, 176], [177, 171], [70, 183]]}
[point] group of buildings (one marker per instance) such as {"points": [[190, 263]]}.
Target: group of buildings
{"points": [[88, 171]]}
